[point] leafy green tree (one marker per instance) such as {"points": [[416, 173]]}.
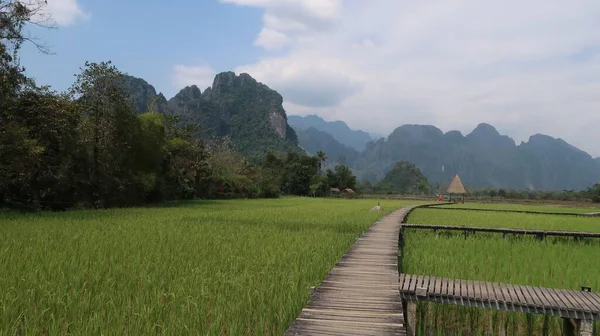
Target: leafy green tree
{"points": [[594, 193], [109, 131], [405, 177], [321, 159]]}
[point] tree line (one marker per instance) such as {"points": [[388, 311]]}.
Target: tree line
{"points": [[88, 147]]}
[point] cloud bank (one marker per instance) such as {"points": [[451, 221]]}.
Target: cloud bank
{"points": [[525, 67]]}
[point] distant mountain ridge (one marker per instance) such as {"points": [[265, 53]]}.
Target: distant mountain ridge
{"points": [[483, 158], [313, 140], [356, 139], [252, 115]]}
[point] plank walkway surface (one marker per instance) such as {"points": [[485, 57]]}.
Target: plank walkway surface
{"points": [[537, 300], [360, 294]]}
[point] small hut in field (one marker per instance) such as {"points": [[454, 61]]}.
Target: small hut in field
{"points": [[457, 188], [349, 193]]}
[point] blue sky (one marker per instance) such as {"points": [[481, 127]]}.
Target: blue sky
{"points": [[524, 67], [146, 38]]}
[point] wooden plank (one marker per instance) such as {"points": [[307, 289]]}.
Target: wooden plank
{"points": [[438, 286], [444, 287], [477, 290], [484, 293], [406, 283], [419, 282], [490, 292]]}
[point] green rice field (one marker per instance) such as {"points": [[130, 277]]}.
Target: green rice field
{"points": [[241, 267], [553, 262]]}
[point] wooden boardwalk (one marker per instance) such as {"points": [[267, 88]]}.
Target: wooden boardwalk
{"points": [[532, 212], [577, 308], [472, 229], [360, 295]]}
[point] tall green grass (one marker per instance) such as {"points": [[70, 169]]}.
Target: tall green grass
{"points": [[508, 220], [227, 267]]}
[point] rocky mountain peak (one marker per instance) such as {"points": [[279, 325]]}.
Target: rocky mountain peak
{"points": [[189, 93]]}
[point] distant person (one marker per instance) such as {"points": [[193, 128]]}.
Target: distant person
{"points": [[376, 208], [440, 198]]}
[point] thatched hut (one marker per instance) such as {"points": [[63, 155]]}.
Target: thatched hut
{"points": [[349, 193], [457, 188]]}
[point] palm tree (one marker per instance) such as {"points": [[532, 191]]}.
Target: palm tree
{"points": [[321, 158]]}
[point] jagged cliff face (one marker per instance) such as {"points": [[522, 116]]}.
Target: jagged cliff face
{"points": [[252, 96], [143, 95], [248, 112]]}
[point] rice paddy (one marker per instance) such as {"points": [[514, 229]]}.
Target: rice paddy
{"points": [[242, 267], [553, 262]]}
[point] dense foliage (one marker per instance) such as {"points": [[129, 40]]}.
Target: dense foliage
{"points": [[405, 177], [91, 146]]}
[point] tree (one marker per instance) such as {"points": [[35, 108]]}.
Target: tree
{"points": [[405, 177], [110, 128], [14, 16], [342, 177], [594, 193], [321, 158]]}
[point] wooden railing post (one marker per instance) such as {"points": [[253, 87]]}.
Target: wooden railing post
{"points": [[577, 327], [410, 314]]}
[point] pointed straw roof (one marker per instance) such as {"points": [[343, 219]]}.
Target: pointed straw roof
{"points": [[456, 187]]}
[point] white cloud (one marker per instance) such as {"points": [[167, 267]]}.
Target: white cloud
{"points": [[525, 67], [199, 75], [66, 12], [271, 39], [285, 21]]}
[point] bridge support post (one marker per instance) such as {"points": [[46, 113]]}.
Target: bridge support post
{"points": [[576, 327], [410, 316]]}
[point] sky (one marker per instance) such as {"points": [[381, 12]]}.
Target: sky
{"points": [[525, 67]]}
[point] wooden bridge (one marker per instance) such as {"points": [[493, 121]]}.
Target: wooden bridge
{"points": [[578, 308], [532, 212], [360, 295], [541, 234]]}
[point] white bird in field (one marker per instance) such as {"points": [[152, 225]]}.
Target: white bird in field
{"points": [[376, 208]]}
